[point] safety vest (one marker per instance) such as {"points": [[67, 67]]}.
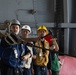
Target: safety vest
{"points": [[41, 54], [27, 63], [12, 55]]}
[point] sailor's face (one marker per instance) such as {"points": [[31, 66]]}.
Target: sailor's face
{"points": [[25, 33], [42, 32], [15, 29]]}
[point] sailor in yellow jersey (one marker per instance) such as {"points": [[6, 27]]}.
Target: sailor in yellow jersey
{"points": [[41, 61]]}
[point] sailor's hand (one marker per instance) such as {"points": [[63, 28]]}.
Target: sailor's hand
{"points": [[49, 72], [53, 39], [25, 57], [34, 56], [52, 47]]}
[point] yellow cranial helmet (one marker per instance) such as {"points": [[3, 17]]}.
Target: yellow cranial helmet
{"points": [[42, 27]]}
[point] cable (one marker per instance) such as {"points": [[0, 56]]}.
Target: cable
{"points": [[35, 14]]}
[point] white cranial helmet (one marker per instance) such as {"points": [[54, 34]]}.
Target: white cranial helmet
{"points": [[26, 27]]}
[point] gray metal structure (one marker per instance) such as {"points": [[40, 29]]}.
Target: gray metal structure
{"points": [[42, 12]]}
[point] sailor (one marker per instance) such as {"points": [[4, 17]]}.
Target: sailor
{"points": [[41, 60], [13, 53], [25, 32]]}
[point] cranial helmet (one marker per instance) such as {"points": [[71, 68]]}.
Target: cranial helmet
{"points": [[42, 27], [15, 22], [26, 27]]}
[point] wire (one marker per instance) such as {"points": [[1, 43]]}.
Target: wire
{"points": [[35, 17]]}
